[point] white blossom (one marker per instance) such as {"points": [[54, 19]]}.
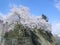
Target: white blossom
{"points": [[26, 18]]}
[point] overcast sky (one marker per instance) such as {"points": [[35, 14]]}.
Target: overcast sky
{"points": [[51, 8]]}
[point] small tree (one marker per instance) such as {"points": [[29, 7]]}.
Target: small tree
{"points": [[44, 17]]}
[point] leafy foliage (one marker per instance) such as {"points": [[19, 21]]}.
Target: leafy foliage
{"points": [[37, 36]]}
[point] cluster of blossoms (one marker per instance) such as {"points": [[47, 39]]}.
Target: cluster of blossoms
{"points": [[22, 15]]}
